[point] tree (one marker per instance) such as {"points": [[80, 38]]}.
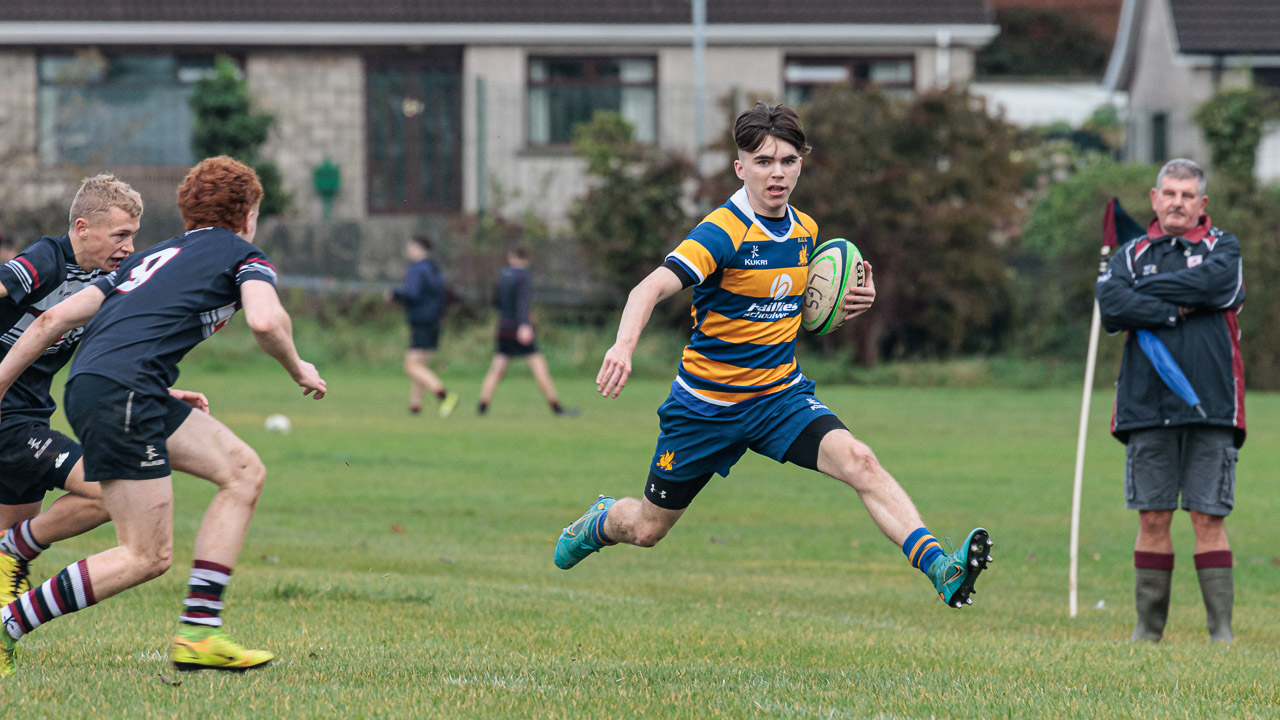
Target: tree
{"points": [[923, 188], [1233, 122], [1039, 42], [1056, 263], [225, 123], [635, 212]]}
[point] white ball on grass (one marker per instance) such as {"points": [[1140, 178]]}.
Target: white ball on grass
{"points": [[278, 424]]}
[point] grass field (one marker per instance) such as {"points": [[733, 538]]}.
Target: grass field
{"points": [[401, 567]]}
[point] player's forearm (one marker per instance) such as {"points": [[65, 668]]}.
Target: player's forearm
{"points": [[37, 338], [276, 339], [659, 286]]}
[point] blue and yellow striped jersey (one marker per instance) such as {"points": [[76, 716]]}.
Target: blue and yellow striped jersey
{"points": [[749, 275]]}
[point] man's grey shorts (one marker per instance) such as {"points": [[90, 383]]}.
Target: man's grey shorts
{"points": [[1198, 461]]}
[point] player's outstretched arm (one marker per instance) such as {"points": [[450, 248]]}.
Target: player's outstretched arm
{"points": [[71, 313], [273, 330], [616, 368], [858, 300]]}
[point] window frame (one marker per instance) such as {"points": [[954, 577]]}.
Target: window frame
{"points": [[851, 64], [591, 79], [179, 55]]}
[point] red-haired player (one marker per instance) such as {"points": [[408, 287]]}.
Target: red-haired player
{"points": [[141, 320]]}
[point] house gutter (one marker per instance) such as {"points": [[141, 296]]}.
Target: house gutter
{"points": [[330, 34]]}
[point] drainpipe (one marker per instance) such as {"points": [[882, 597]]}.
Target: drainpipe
{"points": [[699, 78], [943, 68], [1219, 63]]}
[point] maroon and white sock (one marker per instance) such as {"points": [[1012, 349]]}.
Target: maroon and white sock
{"points": [[18, 542], [68, 591], [205, 586]]}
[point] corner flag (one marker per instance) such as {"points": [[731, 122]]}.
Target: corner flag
{"points": [[1118, 228]]}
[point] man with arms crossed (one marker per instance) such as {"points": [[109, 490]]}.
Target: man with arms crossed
{"points": [[739, 386], [1183, 282], [145, 317]]}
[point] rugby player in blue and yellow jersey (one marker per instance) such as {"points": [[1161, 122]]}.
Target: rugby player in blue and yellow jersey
{"points": [[739, 386], [142, 319]]}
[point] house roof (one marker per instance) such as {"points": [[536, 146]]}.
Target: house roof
{"points": [[323, 23], [1238, 32], [1227, 27], [901, 12]]}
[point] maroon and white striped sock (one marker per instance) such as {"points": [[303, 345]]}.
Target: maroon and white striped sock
{"points": [[18, 542], [68, 591], [203, 604]]}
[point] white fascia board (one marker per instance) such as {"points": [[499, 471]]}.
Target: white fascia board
{"points": [[1231, 61], [321, 34]]}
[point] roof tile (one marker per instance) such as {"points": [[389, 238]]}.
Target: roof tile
{"points": [[1234, 27]]}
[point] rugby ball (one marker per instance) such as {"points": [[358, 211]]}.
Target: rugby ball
{"points": [[834, 267]]}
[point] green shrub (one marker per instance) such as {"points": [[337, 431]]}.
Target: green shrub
{"points": [[1055, 266], [1043, 42], [225, 123]]}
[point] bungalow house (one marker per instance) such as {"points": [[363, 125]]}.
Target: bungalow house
{"points": [[1172, 55], [434, 107]]}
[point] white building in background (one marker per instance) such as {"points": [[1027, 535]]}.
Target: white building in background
{"points": [[433, 108], [1172, 55], [1028, 104]]}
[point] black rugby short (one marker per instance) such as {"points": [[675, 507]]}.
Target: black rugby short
{"points": [[514, 348], [34, 459], [123, 431], [424, 336]]}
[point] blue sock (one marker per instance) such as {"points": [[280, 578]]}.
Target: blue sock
{"points": [[597, 529], [921, 549]]}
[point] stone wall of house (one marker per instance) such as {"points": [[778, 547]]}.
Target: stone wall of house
{"points": [[317, 98], [24, 185]]}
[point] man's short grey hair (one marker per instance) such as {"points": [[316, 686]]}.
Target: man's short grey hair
{"points": [[1182, 169]]}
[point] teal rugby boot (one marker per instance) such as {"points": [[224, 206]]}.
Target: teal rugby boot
{"points": [[582, 537], [954, 574]]}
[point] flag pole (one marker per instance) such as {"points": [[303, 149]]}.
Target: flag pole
{"points": [[1090, 362], [1110, 238]]}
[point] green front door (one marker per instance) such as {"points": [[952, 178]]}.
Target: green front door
{"points": [[414, 105]]}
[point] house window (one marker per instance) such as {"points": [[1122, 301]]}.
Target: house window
{"points": [[1268, 79], [566, 91], [804, 76], [127, 109], [1159, 137]]}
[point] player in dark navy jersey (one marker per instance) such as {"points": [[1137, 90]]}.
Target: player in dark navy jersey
{"points": [[141, 320], [423, 296], [514, 300], [34, 458]]}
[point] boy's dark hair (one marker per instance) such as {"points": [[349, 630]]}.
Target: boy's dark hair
{"points": [[520, 252], [762, 121], [423, 242]]}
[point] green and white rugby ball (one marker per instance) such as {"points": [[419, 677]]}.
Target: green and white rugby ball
{"points": [[834, 267]]}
